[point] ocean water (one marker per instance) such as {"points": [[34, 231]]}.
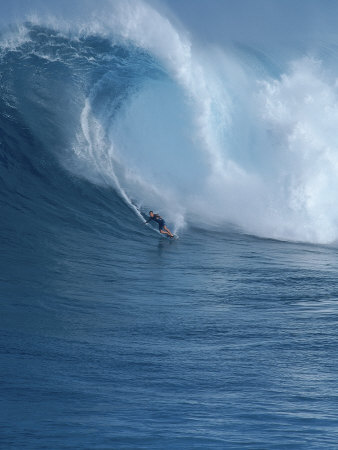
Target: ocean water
{"points": [[113, 336]]}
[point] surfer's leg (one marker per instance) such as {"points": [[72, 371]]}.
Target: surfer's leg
{"points": [[164, 232], [168, 231], [164, 229]]}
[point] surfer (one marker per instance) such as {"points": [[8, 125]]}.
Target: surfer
{"points": [[163, 229]]}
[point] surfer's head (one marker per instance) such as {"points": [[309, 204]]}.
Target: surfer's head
{"points": [[151, 213]]}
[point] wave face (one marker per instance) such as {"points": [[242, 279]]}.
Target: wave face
{"points": [[126, 101]]}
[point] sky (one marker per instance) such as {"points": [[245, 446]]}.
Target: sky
{"points": [[256, 20]]}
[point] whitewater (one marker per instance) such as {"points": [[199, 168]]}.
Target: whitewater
{"points": [[240, 140], [113, 336]]}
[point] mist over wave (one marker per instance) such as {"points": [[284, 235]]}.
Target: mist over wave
{"points": [[209, 136]]}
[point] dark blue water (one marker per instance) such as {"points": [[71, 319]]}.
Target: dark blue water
{"points": [[114, 337], [211, 341]]}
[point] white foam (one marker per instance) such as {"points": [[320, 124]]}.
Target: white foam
{"points": [[287, 194], [13, 37]]}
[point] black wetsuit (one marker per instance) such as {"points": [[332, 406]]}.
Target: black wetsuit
{"points": [[159, 220]]}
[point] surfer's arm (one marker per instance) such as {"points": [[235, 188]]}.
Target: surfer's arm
{"points": [[150, 218]]}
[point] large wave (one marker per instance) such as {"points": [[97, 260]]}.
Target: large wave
{"points": [[213, 137]]}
